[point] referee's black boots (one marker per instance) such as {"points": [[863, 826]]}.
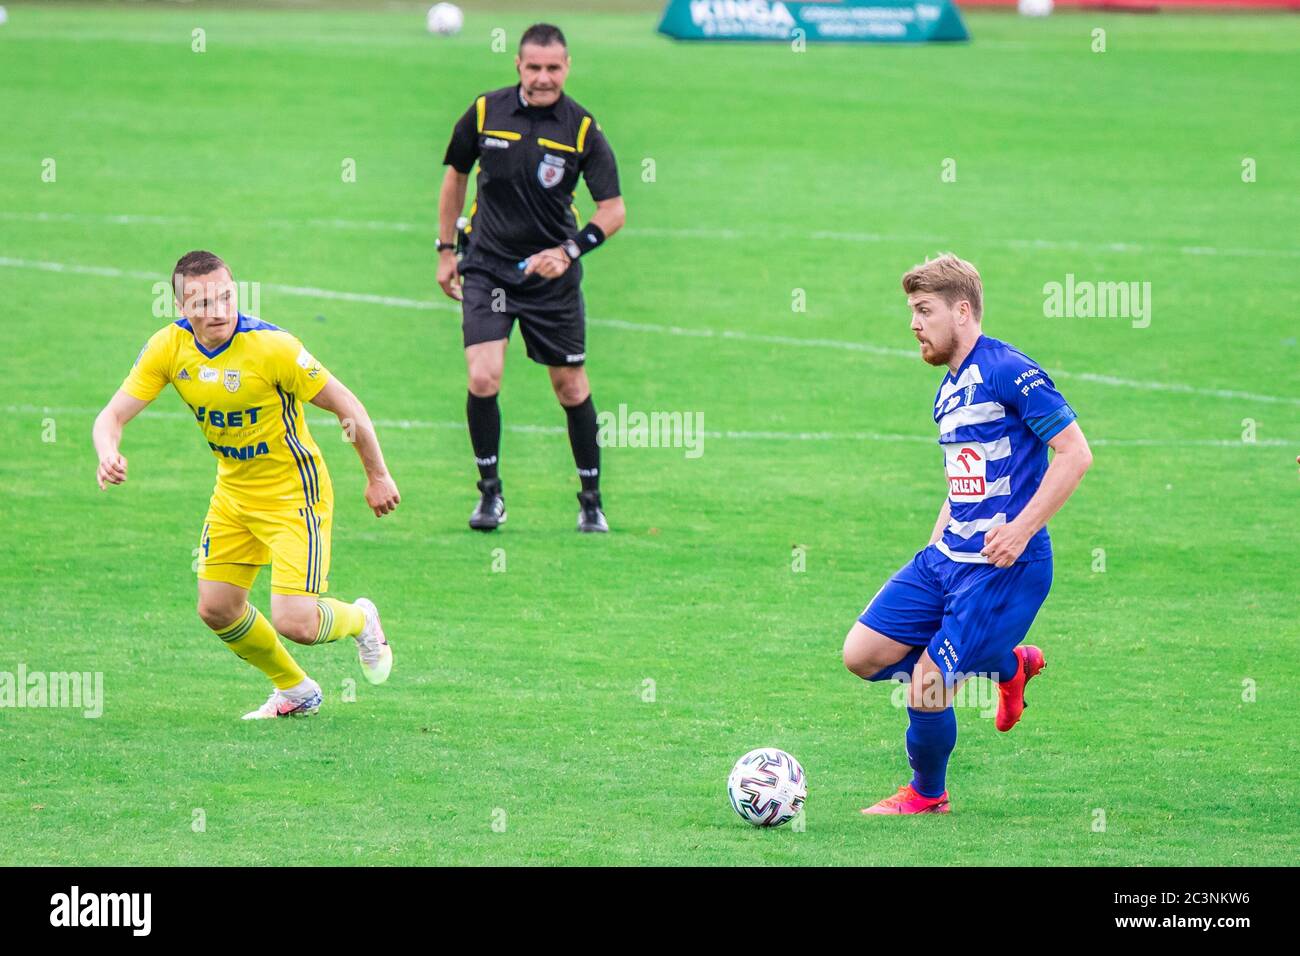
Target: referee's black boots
{"points": [[491, 510], [590, 517]]}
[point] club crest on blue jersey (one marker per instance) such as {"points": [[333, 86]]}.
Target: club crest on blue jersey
{"points": [[964, 396]]}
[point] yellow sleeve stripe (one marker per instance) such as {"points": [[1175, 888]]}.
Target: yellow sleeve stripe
{"points": [[480, 109], [501, 133], [577, 216], [582, 131], [552, 144]]}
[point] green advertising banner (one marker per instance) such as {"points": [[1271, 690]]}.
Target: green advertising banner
{"points": [[873, 21]]}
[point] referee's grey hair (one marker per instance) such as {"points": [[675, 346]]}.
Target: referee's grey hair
{"points": [[543, 34]]}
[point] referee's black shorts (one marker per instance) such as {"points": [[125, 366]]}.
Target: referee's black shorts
{"points": [[551, 315]]}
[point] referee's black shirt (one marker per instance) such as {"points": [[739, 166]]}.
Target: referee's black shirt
{"points": [[530, 158]]}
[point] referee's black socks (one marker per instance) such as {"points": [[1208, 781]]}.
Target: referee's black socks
{"points": [[582, 439], [484, 415]]}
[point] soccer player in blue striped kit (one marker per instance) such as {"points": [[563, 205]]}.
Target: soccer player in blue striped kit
{"points": [[964, 603]]}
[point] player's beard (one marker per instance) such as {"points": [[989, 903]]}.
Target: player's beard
{"points": [[934, 354]]}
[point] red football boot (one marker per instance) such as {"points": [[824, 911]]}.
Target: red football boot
{"points": [[908, 800], [1011, 693]]}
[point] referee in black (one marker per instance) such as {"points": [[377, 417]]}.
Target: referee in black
{"points": [[522, 258]]}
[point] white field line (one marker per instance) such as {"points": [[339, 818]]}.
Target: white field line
{"points": [[415, 424], [659, 232], [703, 333]]}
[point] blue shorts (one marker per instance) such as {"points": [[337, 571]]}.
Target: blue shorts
{"points": [[969, 616]]}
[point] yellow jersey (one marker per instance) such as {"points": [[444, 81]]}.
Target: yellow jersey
{"points": [[247, 397]]}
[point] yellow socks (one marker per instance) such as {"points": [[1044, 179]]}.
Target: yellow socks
{"points": [[338, 619], [254, 639]]}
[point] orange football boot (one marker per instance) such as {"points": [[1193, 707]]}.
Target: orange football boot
{"points": [[908, 800], [1011, 693]]}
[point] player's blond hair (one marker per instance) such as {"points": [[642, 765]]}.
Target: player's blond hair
{"points": [[949, 277]]}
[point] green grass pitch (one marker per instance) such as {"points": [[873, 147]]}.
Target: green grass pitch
{"points": [[519, 726]]}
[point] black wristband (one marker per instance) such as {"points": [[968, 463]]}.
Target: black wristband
{"points": [[584, 240]]}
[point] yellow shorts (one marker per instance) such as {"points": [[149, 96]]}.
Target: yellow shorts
{"points": [[238, 540]]}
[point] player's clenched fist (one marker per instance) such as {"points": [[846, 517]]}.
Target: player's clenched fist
{"points": [[1003, 544], [112, 470], [382, 496]]}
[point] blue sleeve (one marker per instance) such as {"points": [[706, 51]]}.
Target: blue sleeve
{"points": [[1047, 427], [1026, 389]]}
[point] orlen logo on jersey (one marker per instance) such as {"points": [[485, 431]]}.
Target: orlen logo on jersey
{"points": [[966, 469]]}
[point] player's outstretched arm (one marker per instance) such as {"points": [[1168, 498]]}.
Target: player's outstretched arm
{"points": [[1071, 458], [107, 435], [381, 490]]}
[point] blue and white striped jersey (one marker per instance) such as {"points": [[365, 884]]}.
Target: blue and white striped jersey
{"points": [[995, 417]]}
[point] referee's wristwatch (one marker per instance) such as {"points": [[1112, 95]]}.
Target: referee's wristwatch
{"points": [[571, 249], [439, 245]]}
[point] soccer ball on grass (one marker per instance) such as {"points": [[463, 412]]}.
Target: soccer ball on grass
{"points": [[767, 787]]}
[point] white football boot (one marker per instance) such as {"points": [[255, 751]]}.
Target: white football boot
{"points": [[281, 703], [372, 647]]}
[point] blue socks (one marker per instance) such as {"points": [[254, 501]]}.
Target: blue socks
{"points": [[931, 736], [1008, 666]]}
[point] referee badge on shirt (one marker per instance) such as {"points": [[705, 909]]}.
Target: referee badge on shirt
{"points": [[232, 380], [550, 170]]}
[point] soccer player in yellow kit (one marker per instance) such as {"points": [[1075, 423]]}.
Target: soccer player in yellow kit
{"points": [[245, 381]]}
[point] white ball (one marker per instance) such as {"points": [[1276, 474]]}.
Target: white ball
{"points": [[445, 19], [767, 787], [1035, 8]]}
